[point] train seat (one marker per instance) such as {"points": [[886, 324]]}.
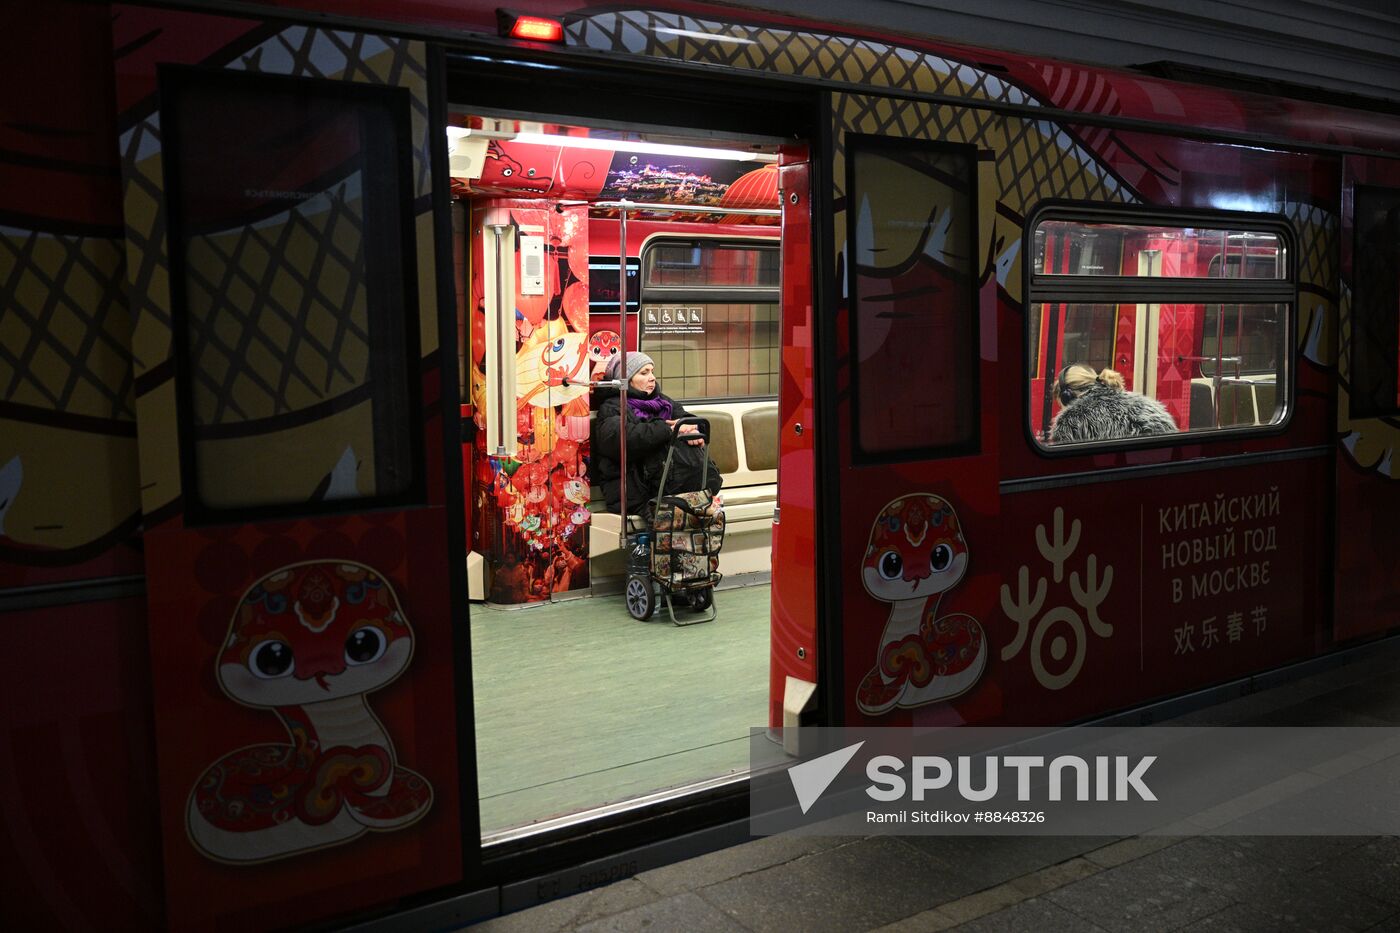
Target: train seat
{"points": [[1244, 400]]}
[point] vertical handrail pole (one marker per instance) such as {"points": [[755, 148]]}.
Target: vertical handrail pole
{"points": [[1220, 313], [500, 331], [622, 366]]}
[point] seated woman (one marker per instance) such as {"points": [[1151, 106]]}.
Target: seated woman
{"points": [[649, 418], [1096, 407]]}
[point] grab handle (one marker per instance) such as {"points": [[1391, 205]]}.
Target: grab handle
{"points": [[700, 429]]}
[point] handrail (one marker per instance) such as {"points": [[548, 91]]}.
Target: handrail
{"points": [[622, 379], [624, 207], [500, 329], [645, 206]]}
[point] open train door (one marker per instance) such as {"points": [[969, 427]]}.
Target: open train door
{"points": [[1368, 399], [303, 552], [793, 659]]}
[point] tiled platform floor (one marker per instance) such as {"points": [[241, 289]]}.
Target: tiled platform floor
{"points": [[1041, 884]]}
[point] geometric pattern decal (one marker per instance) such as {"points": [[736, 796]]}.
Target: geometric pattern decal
{"points": [[261, 387], [1035, 158], [65, 329], [1318, 273], [1317, 230], [680, 37], [1032, 161], [1344, 342], [256, 351], [303, 52], [1372, 443], [147, 269]]}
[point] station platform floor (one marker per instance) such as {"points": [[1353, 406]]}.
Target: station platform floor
{"points": [[1042, 884]]}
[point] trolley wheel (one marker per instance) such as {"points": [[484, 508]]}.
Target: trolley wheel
{"points": [[700, 600], [641, 598]]}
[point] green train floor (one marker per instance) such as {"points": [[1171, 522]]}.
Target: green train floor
{"points": [[579, 706]]}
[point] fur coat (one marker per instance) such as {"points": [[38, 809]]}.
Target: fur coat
{"points": [[1102, 413]]}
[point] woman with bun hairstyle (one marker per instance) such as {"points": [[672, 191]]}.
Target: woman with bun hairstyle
{"points": [[1096, 407]]}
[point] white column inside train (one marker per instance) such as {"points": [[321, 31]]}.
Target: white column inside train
{"points": [[1149, 317], [498, 261]]}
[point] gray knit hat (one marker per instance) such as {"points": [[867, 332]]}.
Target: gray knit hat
{"points": [[635, 361]]}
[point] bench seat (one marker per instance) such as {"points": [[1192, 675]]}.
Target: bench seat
{"points": [[1246, 400]]}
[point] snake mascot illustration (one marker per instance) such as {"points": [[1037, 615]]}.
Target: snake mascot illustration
{"points": [[916, 553], [603, 345], [309, 642]]}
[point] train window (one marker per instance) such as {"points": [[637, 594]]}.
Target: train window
{"points": [[710, 316], [711, 264], [294, 278], [1375, 338], [1079, 248], [1150, 329], [911, 210]]}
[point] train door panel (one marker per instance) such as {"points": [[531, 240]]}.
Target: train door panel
{"points": [[1368, 399], [968, 632], [299, 548], [915, 356], [461, 270], [793, 656]]}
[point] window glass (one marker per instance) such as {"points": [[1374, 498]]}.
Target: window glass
{"points": [[1247, 339], [710, 317], [1124, 359], [296, 314], [1375, 379], [1070, 247], [711, 264], [912, 241], [1089, 332]]}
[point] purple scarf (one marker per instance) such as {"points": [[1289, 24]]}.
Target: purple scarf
{"points": [[649, 409]]}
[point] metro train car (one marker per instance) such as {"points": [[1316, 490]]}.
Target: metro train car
{"points": [[323, 621]]}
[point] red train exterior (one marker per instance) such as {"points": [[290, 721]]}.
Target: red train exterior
{"points": [[1088, 581]]}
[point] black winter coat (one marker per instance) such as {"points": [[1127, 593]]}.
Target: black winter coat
{"points": [[647, 441]]}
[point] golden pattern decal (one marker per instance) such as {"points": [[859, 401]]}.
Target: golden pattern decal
{"points": [[240, 386], [1034, 160], [67, 391], [676, 36]]}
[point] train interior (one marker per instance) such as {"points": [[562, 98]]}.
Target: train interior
{"points": [[571, 243], [1214, 365]]}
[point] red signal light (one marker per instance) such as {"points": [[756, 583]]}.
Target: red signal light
{"points": [[531, 28]]}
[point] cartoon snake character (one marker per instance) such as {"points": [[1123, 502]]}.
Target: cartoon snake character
{"points": [[916, 553], [309, 641], [603, 345]]}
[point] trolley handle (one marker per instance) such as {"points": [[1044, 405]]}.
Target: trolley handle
{"points": [[700, 429]]}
